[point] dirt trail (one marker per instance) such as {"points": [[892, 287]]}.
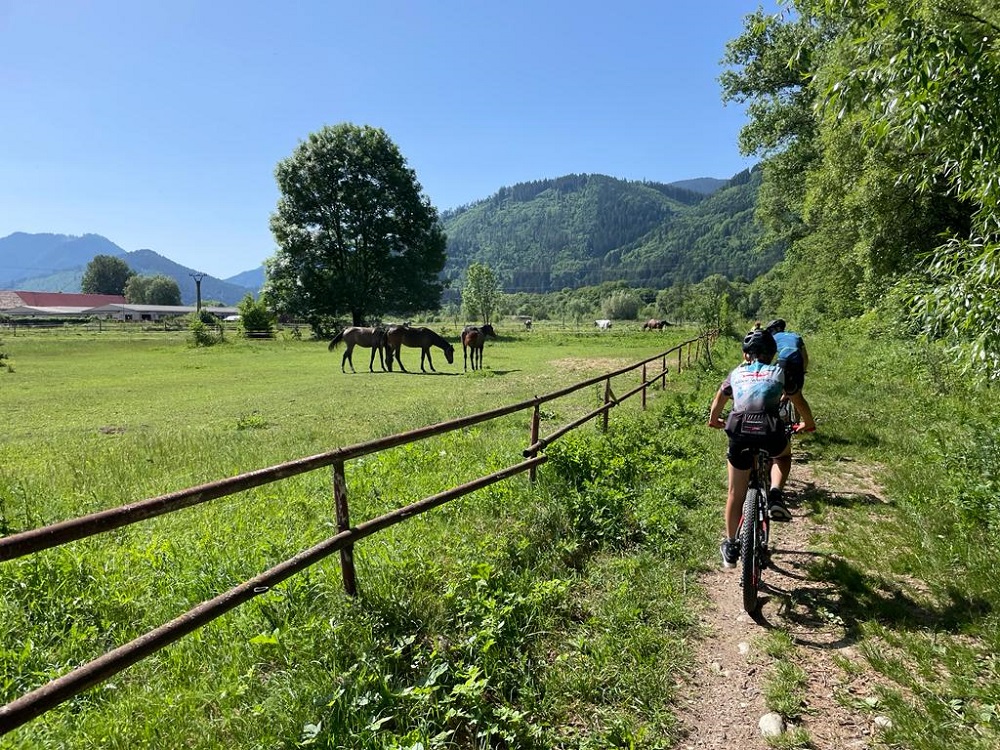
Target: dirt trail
{"points": [[722, 699]]}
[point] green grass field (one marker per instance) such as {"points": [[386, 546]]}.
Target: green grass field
{"points": [[100, 420], [555, 615]]}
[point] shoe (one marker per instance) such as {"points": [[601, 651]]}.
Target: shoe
{"points": [[730, 553], [776, 508]]}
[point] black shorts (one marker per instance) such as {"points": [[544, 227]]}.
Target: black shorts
{"points": [[795, 374], [739, 452]]}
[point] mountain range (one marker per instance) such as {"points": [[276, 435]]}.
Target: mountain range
{"points": [[539, 236], [56, 263]]}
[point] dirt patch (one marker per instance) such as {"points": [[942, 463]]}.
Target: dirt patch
{"points": [[722, 698], [591, 364]]}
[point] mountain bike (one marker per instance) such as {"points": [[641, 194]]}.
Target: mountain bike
{"points": [[755, 523]]}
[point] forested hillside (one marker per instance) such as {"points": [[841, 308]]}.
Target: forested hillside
{"points": [[581, 230]]}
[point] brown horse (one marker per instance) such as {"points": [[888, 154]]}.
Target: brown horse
{"points": [[418, 338], [371, 338], [654, 325], [474, 337]]}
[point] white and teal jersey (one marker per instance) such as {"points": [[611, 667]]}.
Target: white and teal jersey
{"points": [[755, 387]]}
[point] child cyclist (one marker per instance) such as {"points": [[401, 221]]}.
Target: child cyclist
{"points": [[756, 387]]}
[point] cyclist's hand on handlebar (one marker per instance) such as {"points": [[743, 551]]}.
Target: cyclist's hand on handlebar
{"points": [[803, 427]]}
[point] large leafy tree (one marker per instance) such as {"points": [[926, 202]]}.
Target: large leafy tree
{"points": [[106, 274], [848, 192], [921, 76], [153, 290], [356, 237]]}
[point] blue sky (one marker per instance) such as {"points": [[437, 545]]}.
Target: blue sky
{"points": [[158, 123]]}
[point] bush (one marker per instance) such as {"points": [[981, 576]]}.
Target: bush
{"points": [[201, 334], [256, 321]]}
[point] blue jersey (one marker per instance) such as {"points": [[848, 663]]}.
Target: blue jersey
{"points": [[756, 387], [789, 344]]}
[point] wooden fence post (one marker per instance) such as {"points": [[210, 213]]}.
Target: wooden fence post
{"points": [[343, 524], [644, 386], [663, 376], [533, 438], [689, 355], [607, 400], [680, 351]]}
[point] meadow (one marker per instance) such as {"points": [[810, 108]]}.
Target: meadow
{"points": [[553, 615], [99, 420]]}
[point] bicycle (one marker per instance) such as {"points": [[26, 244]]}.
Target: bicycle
{"points": [[755, 523]]}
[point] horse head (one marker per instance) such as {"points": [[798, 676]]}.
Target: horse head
{"points": [[449, 353], [488, 330]]}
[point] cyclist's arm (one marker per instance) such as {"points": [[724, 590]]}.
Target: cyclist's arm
{"points": [[715, 419], [808, 423]]}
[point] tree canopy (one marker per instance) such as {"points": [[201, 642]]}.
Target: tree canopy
{"points": [[106, 274], [153, 290], [356, 237], [875, 119]]}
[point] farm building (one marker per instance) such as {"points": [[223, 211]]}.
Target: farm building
{"points": [[107, 306]]}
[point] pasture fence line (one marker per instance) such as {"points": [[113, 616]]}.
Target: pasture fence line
{"points": [[61, 689]]}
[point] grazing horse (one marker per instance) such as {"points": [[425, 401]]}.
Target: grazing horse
{"points": [[372, 338], [604, 324], [654, 325], [418, 338], [473, 338]]}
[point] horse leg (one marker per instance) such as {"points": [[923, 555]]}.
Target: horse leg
{"points": [[347, 358], [465, 358], [396, 351]]}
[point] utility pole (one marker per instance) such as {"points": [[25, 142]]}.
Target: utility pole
{"points": [[197, 289]]}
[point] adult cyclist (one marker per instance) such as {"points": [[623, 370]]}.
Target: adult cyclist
{"points": [[756, 387]]}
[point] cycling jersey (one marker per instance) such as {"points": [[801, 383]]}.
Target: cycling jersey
{"points": [[755, 387], [789, 344]]}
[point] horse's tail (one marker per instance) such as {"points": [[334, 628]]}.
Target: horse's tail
{"points": [[336, 340]]}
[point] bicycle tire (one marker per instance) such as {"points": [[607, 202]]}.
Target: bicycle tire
{"points": [[750, 562]]}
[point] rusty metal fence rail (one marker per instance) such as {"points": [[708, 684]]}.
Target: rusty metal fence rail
{"points": [[40, 700]]}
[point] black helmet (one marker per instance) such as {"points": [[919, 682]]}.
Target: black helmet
{"points": [[760, 345], [776, 326]]}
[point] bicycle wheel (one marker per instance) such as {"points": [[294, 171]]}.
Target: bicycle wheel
{"points": [[750, 551]]}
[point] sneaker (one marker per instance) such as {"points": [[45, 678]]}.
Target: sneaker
{"points": [[730, 553], [776, 508]]}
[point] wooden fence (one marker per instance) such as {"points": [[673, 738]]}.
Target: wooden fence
{"points": [[48, 696]]}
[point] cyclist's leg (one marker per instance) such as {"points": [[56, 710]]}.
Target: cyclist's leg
{"points": [[738, 481], [781, 464]]}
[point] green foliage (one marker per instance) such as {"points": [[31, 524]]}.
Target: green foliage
{"points": [[106, 274], [355, 235], [201, 334], [152, 290], [621, 305], [255, 317], [481, 294]]}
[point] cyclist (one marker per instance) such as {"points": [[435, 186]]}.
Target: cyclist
{"points": [[756, 387]]}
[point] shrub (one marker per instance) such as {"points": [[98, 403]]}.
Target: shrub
{"points": [[201, 334], [256, 321]]}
